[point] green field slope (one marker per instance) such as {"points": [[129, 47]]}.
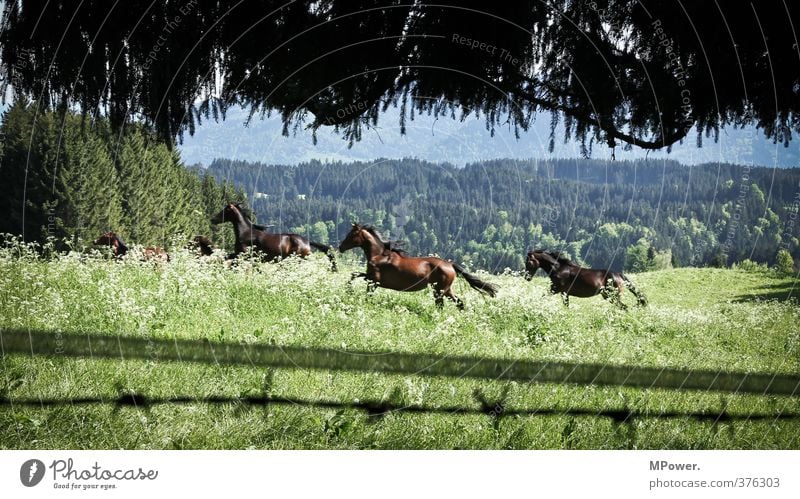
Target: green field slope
{"points": [[712, 319]]}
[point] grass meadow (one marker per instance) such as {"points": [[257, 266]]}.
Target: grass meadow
{"points": [[717, 319]]}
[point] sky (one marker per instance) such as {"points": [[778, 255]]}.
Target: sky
{"points": [[453, 141], [459, 143]]}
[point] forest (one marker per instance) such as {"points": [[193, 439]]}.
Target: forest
{"points": [[635, 216], [72, 178]]}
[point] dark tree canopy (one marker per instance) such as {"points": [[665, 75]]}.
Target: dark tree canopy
{"points": [[641, 72]]}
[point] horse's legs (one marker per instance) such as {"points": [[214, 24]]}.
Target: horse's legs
{"points": [[641, 300], [437, 295], [616, 298], [460, 304], [613, 293], [373, 277], [353, 277], [565, 299], [356, 275]]}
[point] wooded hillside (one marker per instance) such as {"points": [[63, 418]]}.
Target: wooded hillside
{"points": [[68, 177], [634, 215]]}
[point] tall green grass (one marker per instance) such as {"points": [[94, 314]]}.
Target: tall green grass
{"points": [[697, 318]]}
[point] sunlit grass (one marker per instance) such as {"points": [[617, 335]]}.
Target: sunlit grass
{"points": [[697, 318]]}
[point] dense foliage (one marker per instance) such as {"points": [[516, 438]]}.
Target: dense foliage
{"points": [[70, 178], [633, 215], [641, 72]]}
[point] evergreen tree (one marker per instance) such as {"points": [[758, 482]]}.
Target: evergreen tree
{"points": [[784, 264], [67, 177]]}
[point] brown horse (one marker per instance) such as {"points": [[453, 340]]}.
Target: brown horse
{"points": [[117, 245], [201, 244], [570, 279], [254, 237], [388, 266], [120, 249]]}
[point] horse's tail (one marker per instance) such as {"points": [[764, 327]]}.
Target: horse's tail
{"points": [[482, 286], [640, 297], [328, 251]]}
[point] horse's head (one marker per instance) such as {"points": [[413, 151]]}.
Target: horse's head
{"points": [[542, 259], [229, 213], [202, 244], [354, 238], [106, 239], [532, 264], [112, 240]]}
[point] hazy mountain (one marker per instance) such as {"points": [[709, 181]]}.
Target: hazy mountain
{"points": [[453, 141]]}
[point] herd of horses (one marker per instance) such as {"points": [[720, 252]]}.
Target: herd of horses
{"points": [[389, 266]]}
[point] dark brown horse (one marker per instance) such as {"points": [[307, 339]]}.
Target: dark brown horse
{"points": [[112, 240], [120, 249], [254, 237], [201, 244], [390, 267], [570, 279]]}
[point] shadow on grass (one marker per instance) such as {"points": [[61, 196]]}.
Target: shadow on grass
{"points": [[782, 291], [84, 345], [380, 408]]}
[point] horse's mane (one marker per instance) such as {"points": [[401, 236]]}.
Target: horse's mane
{"points": [[396, 246], [111, 235], [119, 238], [557, 255], [247, 213]]}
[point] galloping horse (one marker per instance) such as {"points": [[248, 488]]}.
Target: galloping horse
{"points": [[202, 244], [388, 266], [569, 278], [120, 249], [111, 239], [250, 236]]}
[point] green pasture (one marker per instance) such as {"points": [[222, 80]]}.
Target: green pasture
{"points": [[711, 319]]}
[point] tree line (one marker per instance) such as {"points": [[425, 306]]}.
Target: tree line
{"points": [[73, 178], [638, 215]]}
